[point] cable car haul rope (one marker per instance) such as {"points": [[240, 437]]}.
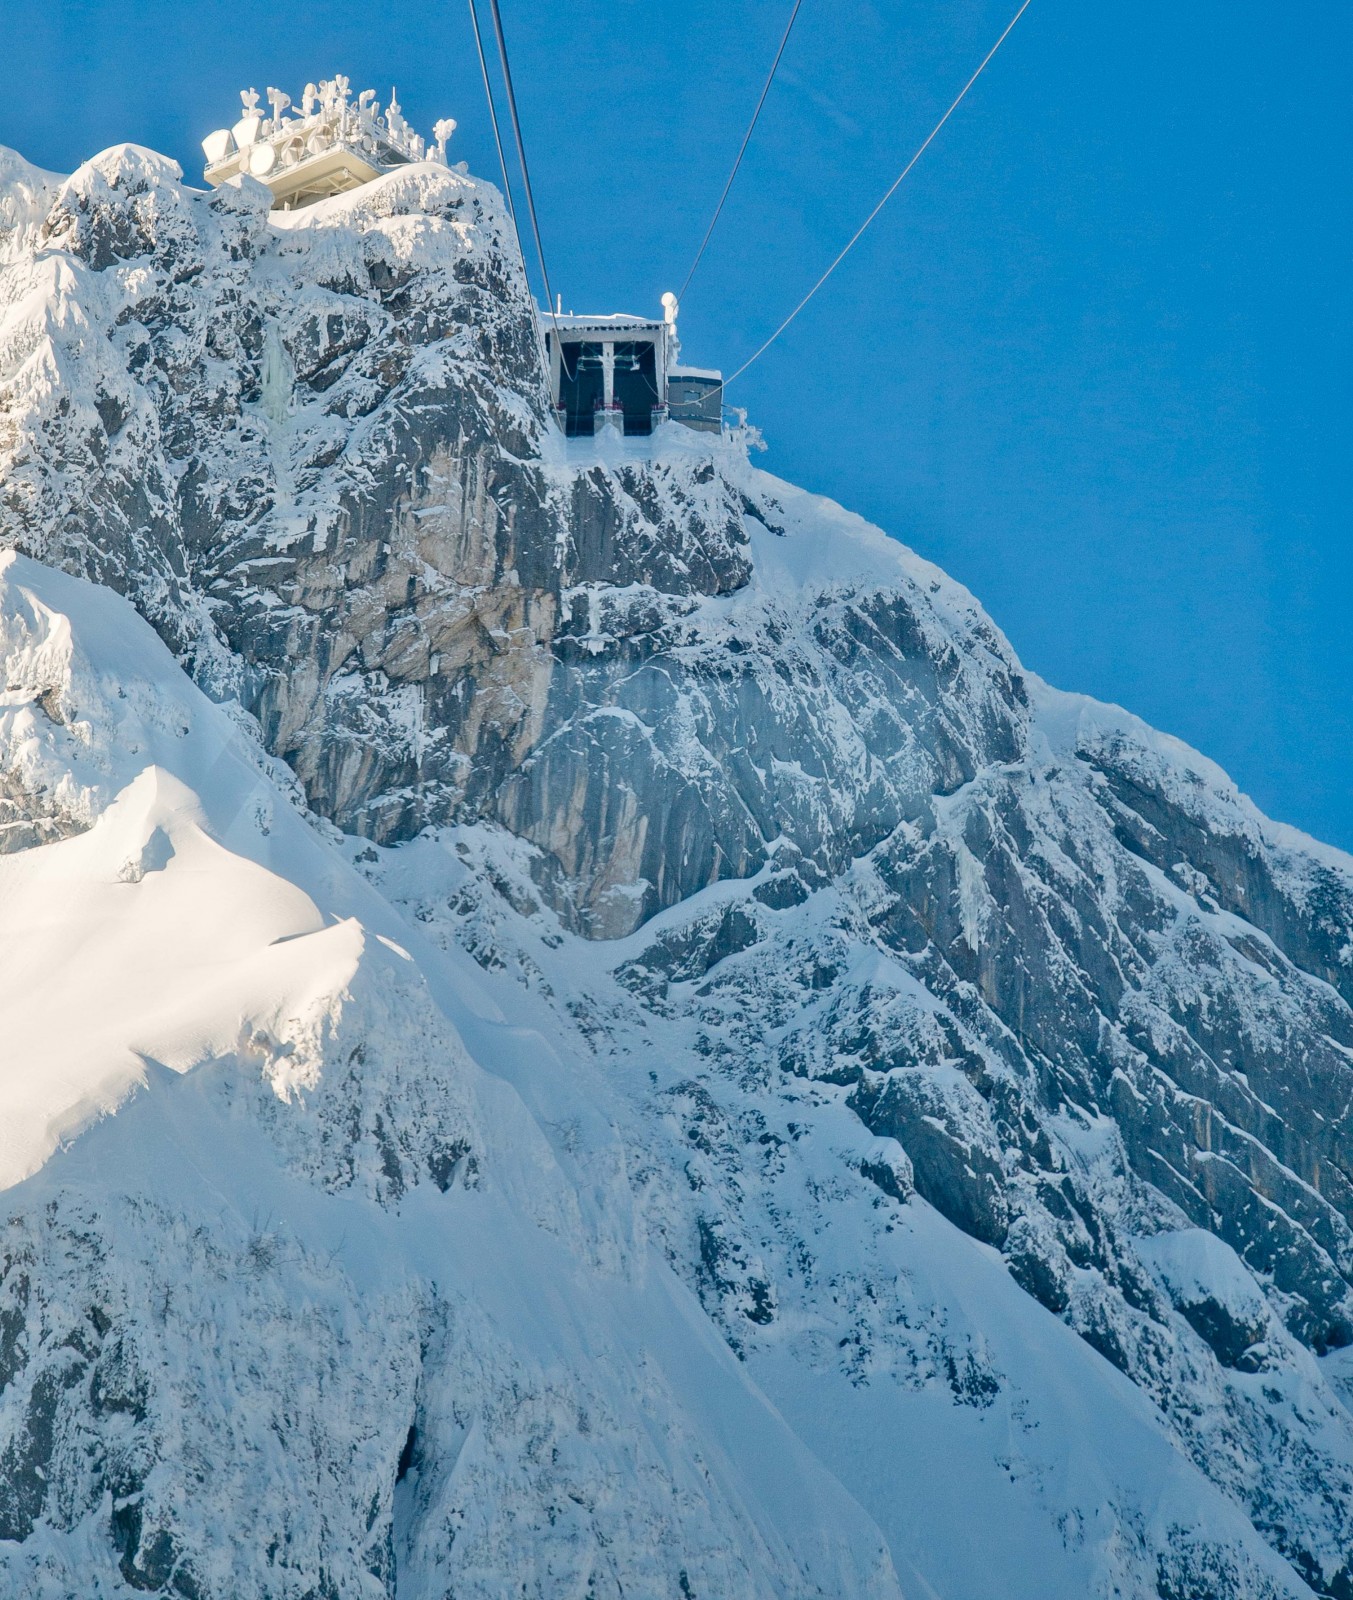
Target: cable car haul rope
{"points": [[493, 118], [892, 190], [742, 150]]}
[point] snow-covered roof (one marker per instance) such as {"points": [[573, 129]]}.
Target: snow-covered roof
{"points": [[610, 321]]}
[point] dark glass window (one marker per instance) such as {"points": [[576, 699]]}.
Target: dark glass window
{"points": [[636, 384], [581, 386]]}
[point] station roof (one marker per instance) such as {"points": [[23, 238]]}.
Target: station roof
{"points": [[607, 322]]}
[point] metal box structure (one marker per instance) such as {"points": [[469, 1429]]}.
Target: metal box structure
{"points": [[622, 372]]}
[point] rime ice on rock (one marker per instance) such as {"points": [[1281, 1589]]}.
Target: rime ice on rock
{"points": [[334, 145], [925, 1022]]}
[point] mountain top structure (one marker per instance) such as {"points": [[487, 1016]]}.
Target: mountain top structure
{"points": [[625, 373], [611, 371], [330, 145]]}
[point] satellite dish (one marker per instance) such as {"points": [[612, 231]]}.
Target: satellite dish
{"points": [[217, 146], [262, 159], [670, 307], [246, 130]]}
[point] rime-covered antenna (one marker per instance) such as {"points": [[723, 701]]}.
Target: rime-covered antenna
{"points": [[441, 132], [279, 103], [671, 306], [347, 128]]}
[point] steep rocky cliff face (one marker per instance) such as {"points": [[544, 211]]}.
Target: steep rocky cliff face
{"points": [[800, 1107], [316, 457]]}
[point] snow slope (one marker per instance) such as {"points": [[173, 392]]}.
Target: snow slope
{"points": [[421, 1258], [240, 1199], [627, 1048]]}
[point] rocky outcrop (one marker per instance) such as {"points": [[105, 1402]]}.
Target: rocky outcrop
{"points": [[980, 1060], [316, 457]]}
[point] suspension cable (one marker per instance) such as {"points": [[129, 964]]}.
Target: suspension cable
{"points": [[742, 150], [521, 159], [493, 117], [856, 236]]}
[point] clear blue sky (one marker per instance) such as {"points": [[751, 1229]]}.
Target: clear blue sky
{"points": [[1094, 359]]}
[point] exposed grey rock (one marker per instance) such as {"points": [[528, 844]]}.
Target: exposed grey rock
{"points": [[1013, 953], [382, 558]]}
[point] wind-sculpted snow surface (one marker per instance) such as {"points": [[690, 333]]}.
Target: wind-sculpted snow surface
{"points": [[323, 1315], [649, 1056]]}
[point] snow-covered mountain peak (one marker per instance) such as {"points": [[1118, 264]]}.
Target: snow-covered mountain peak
{"points": [[578, 1024]]}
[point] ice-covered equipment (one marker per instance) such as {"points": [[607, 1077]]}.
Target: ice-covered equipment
{"points": [[335, 144]]}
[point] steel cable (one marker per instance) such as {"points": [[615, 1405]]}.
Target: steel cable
{"points": [[742, 150], [521, 159], [493, 118], [855, 237]]}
